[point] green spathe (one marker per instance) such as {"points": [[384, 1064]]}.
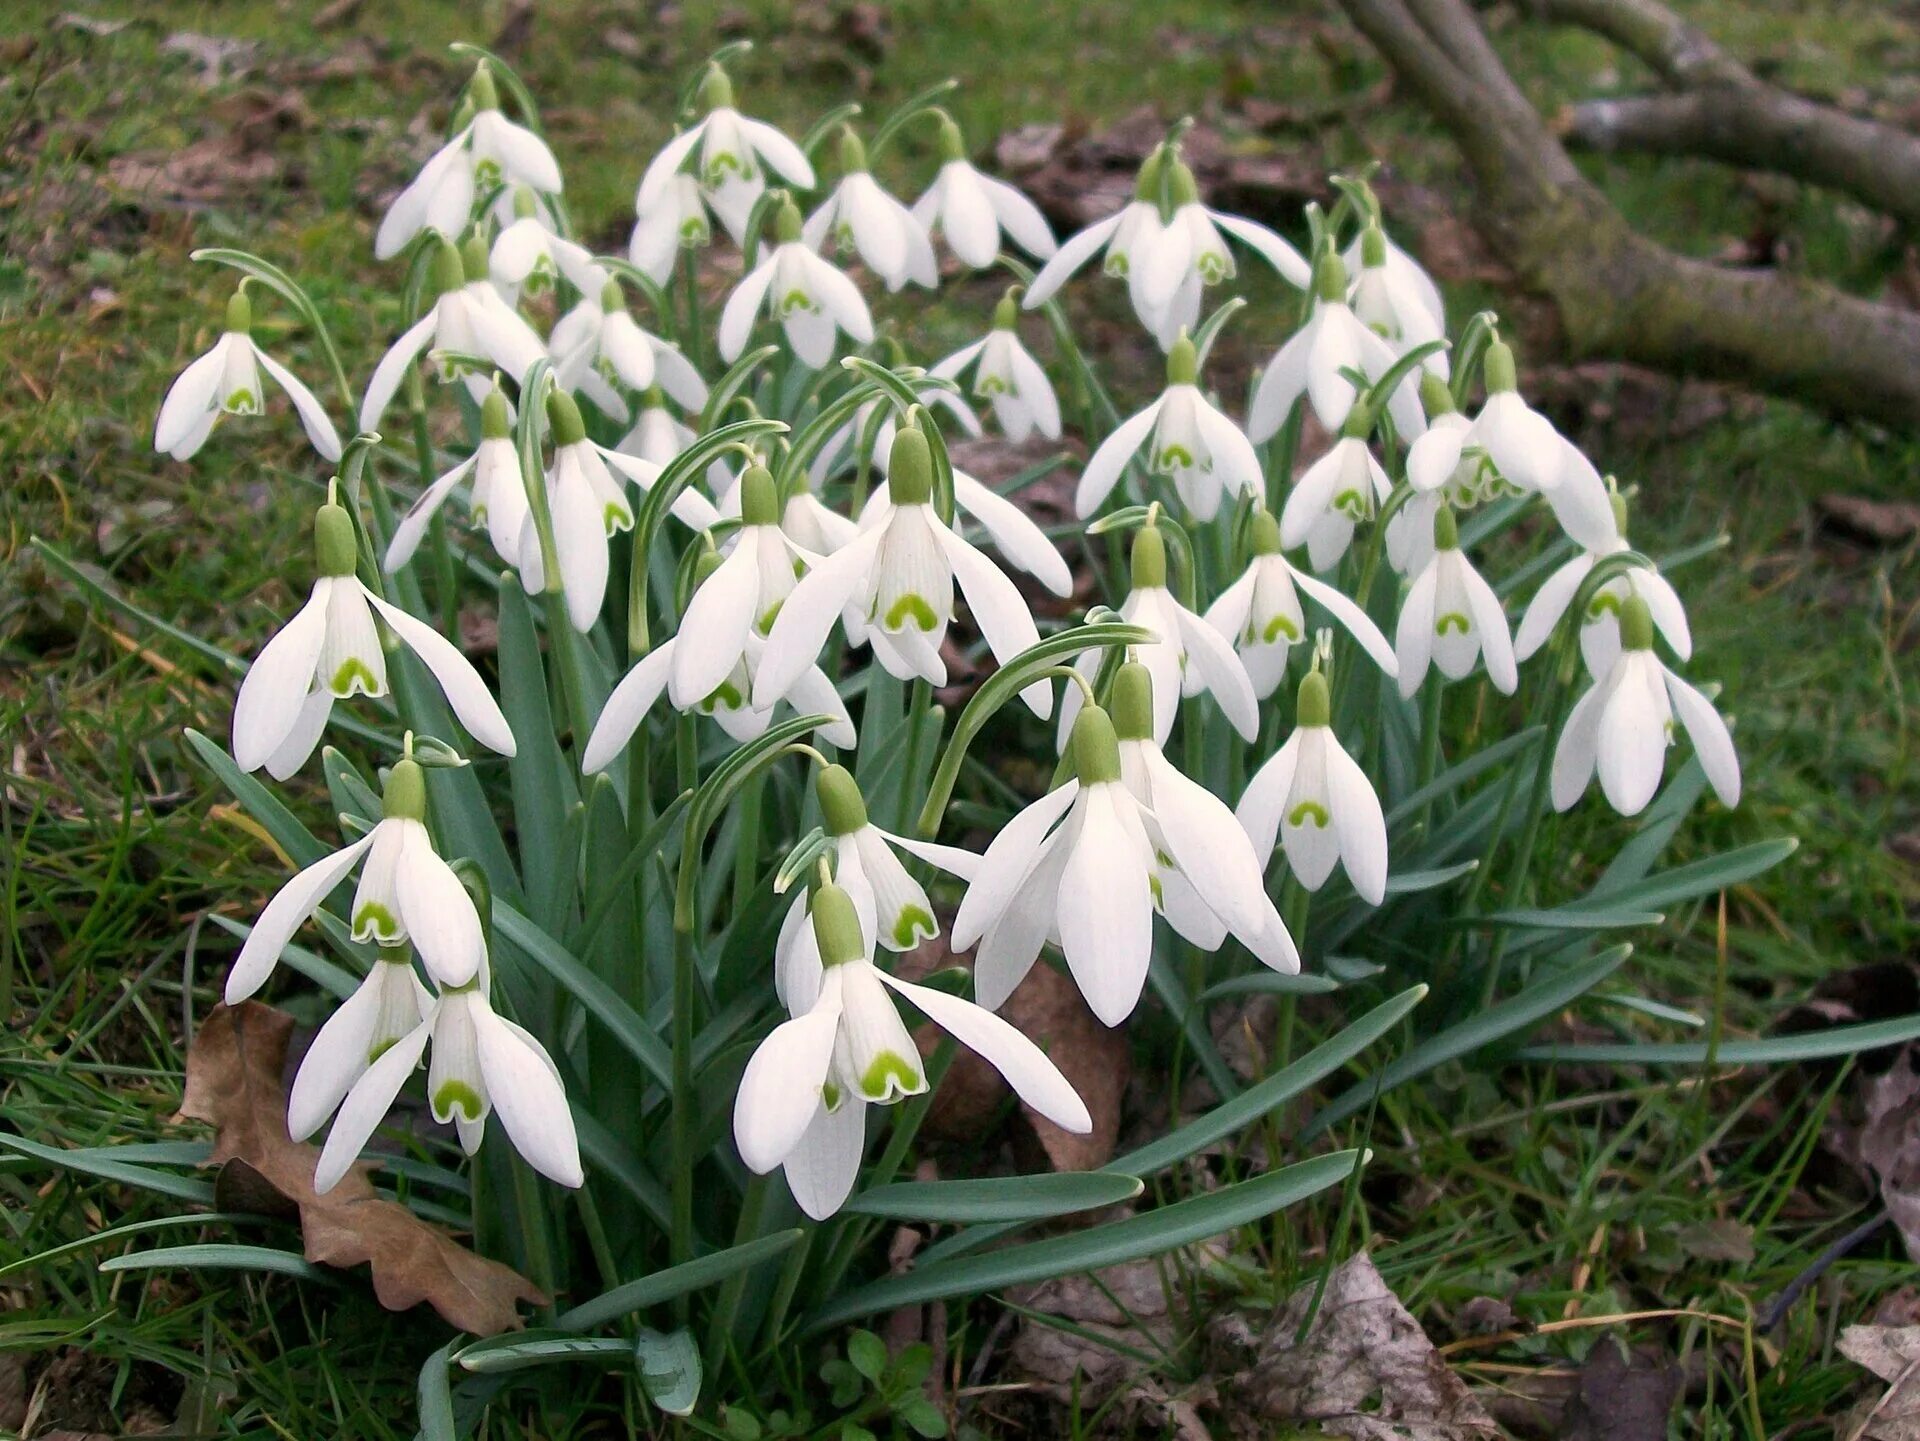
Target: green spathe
{"points": [[1095, 747], [1132, 702], [910, 468], [1316, 705], [335, 548], [836, 926], [842, 807], [405, 797]]}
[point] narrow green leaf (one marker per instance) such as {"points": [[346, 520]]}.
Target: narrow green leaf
{"points": [[100, 1161], [300, 844], [1571, 917], [1700, 878], [1268, 983], [543, 788], [1000, 1198], [436, 1398], [669, 1367], [1772, 1051], [1458, 775], [546, 1347], [220, 1257], [661, 1286]]}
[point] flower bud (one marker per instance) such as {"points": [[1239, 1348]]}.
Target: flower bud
{"points": [[1132, 702], [564, 416], [239, 312], [1636, 624], [1315, 706], [1446, 530], [853, 154], [759, 497], [405, 797], [1149, 558], [496, 420], [1498, 367], [1263, 533], [1094, 747], [1330, 278], [842, 807], [910, 468], [1183, 361], [716, 90], [448, 273], [336, 550], [836, 926]]}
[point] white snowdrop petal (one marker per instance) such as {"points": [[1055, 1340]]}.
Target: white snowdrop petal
{"points": [[1265, 799], [626, 707], [526, 1093], [472, 702], [1712, 742], [1034, 1078], [1549, 604], [1358, 822], [276, 685], [334, 1061], [780, 1090], [804, 621], [1105, 912], [298, 899], [1006, 863], [313, 415], [824, 1164], [1109, 462], [438, 914], [1073, 253], [366, 1106]]}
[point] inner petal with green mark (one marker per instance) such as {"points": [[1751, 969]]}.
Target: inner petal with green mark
{"points": [[354, 675], [1116, 263], [718, 166], [1352, 503], [913, 926], [1280, 626], [796, 302], [831, 1096], [458, 1096], [725, 696], [1603, 604], [770, 614], [1213, 266], [986, 385], [887, 1070], [615, 516], [1309, 811], [1452, 620], [910, 607], [486, 173], [372, 919], [1173, 457], [242, 402]]}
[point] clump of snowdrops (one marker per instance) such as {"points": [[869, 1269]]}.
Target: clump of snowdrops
{"points": [[641, 902]]}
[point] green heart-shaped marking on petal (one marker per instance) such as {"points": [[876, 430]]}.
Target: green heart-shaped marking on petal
{"points": [[353, 674], [457, 1096], [1452, 620], [910, 607], [885, 1070], [1309, 811], [913, 926]]}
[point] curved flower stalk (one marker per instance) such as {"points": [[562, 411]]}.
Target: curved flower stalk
{"points": [[226, 381], [972, 210], [331, 650], [1600, 623], [1187, 440], [589, 504], [406, 894], [529, 257], [1452, 618], [1189, 657], [1007, 377], [802, 1101], [597, 347], [1312, 799], [488, 150], [1317, 363], [1389, 300], [1261, 614], [809, 298], [1338, 491], [1519, 443], [468, 318], [498, 500], [731, 149], [1188, 253], [859, 216], [482, 1064], [894, 582], [1624, 723], [1207, 880], [840, 451]]}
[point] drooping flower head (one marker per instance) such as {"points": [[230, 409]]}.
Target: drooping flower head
{"points": [[1007, 377], [599, 349], [1389, 301], [226, 381], [1452, 618], [805, 293], [860, 217], [972, 209], [497, 501], [1341, 489]]}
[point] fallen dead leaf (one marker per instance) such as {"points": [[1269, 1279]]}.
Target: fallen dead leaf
{"points": [[1878, 522], [1365, 1369], [1622, 1396], [1888, 1144], [234, 1084], [1893, 1354]]}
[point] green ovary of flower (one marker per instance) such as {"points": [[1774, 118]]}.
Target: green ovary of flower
{"points": [[914, 608], [913, 925], [353, 676], [884, 1070], [1452, 620], [1309, 811], [458, 1096]]}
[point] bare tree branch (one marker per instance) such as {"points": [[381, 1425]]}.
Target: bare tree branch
{"points": [[1618, 294], [1681, 55]]}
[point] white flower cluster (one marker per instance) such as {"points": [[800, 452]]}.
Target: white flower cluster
{"points": [[1126, 834]]}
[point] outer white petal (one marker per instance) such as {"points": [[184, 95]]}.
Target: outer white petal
{"points": [[1336, 350], [270, 700], [1549, 604], [313, 415], [1663, 603], [1358, 822], [1414, 640], [472, 702], [780, 1091], [580, 538], [528, 1098], [1711, 740], [814, 694], [714, 628], [438, 914], [742, 308], [1633, 737], [620, 717], [1105, 468], [1432, 459], [522, 154], [825, 1162], [1074, 253], [1220, 671], [1265, 798], [998, 610], [1496, 645], [1235, 462], [1229, 612], [967, 216], [803, 623], [298, 743], [1006, 863], [1034, 1078], [366, 1106], [1281, 385], [191, 400], [1211, 850], [779, 152], [335, 1060], [1581, 504], [392, 369], [299, 898], [1311, 497], [1019, 217], [1106, 910], [1036, 392], [841, 297], [1290, 263], [413, 525], [952, 859], [1575, 753], [665, 165], [1358, 623], [1016, 534]]}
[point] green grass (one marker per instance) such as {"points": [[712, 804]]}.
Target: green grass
{"points": [[1571, 1194]]}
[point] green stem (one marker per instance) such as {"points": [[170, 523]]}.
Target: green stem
{"points": [[690, 288], [726, 1307], [919, 708], [685, 1106], [533, 1226], [1429, 739]]}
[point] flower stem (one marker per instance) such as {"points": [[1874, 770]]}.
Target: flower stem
{"points": [[919, 708]]}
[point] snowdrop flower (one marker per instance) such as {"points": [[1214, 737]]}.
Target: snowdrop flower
{"points": [[1519, 443], [1189, 657], [656, 437], [597, 346], [802, 1101], [589, 504], [1207, 881], [1389, 301], [1121, 239], [731, 149], [1600, 623], [468, 318], [895, 581], [331, 650], [1452, 618], [1313, 800], [1339, 490], [383, 1011], [1624, 723], [1315, 362], [676, 220], [1260, 613], [488, 150], [1175, 261], [406, 893], [804, 293], [1470, 482], [972, 209], [859, 216], [1405, 275], [893, 906], [226, 381], [482, 1063], [528, 257], [1007, 377], [498, 500], [1186, 439]]}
